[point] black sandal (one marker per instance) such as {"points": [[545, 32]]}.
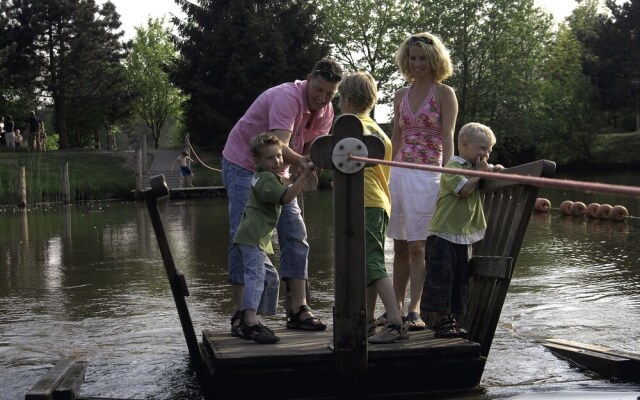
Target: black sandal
{"points": [[308, 324], [236, 320], [449, 328]]}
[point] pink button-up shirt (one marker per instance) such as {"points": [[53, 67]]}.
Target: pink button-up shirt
{"points": [[280, 107]]}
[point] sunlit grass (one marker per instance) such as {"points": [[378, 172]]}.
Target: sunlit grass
{"points": [[93, 175]]}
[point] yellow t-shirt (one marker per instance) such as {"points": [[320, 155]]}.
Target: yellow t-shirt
{"points": [[376, 178]]}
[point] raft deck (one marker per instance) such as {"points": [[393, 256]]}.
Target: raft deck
{"points": [[303, 364]]}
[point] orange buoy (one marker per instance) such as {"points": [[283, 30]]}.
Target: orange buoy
{"points": [[592, 209], [618, 213], [565, 207], [603, 211], [542, 205], [578, 209]]}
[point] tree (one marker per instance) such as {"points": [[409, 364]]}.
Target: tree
{"points": [[497, 47], [364, 35], [571, 117], [232, 50], [614, 54], [68, 52], [153, 54]]}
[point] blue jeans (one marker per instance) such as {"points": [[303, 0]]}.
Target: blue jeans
{"points": [[292, 234], [257, 289]]}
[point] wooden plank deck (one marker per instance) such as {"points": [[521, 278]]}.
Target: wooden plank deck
{"points": [[304, 362], [606, 362]]}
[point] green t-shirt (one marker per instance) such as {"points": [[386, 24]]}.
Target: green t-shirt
{"points": [[262, 211], [458, 219]]}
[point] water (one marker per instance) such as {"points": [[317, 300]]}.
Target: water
{"points": [[89, 278]]}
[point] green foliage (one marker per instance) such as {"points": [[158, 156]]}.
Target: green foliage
{"points": [[613, 54], [232, 50], [67, 52], [153, 54], [364, 36], [569, 99], [497, 48]]}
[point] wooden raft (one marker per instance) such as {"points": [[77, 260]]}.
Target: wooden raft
{"points": [[307, 364], [606, 362]]}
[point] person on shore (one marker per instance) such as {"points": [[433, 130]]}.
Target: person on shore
{"points": [[259, 220], [358, 96], [9, 134], [2, 140], [296, 112], [186, 174], [34, 126], [18, 138], [457, 223], [424, 117], [41, 142]]}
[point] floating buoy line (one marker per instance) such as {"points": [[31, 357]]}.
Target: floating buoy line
{"points": [[579, 209]]}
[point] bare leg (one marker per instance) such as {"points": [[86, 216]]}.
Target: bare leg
{"points": [[401, 269], [417, 273], [236, 295], [384, 288], [298, 295]]}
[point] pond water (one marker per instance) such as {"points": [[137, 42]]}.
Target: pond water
{"points": [[89, 278]]}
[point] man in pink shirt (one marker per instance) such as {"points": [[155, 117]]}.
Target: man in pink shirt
{"points": [[296, 112]]}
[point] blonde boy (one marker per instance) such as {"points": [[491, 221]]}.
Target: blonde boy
{"points": [[457, 223], [358, 95]]}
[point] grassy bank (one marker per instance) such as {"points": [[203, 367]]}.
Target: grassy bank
{"points": [[99, 175], [93, 174]]}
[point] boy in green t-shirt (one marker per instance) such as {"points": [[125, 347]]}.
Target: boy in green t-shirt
{"points": [[457, 223], [358, 95], [253, 238]]}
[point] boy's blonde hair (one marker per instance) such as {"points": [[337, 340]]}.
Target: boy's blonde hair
{"points": [[473, 130], [261, 141], [437, 55], [361, 90]]}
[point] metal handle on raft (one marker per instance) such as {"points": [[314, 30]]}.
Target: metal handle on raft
{"points": [[346, 148]]}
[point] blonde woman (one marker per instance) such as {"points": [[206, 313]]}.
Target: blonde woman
{"points": [[424, 118]]}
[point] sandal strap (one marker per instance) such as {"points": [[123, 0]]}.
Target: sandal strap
{"points": [[304, 308]]}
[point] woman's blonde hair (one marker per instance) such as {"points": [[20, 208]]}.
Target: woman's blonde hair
{"points": [[437, 55], [361, 90]]}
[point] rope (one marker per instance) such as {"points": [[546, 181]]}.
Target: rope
{"points": [[531, 180], [193, 151]]}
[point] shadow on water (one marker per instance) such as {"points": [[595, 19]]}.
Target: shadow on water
{"points": [[90, 278]]}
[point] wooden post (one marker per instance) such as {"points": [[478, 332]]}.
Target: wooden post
{"points": [[331, 151], [22, 187], [66, 190], [143, 150], [139, 170], [177, 280]]}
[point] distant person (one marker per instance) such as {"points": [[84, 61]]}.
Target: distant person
{"points": [[34, 127], [424, 118], [18, 138], [253, 238], [2, 141], [42, 137], [358, 96], [10, 135], [296, 112], [457, 223], [186, 174]]}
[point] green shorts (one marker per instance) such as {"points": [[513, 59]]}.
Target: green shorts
{"points": [[376, 221]]}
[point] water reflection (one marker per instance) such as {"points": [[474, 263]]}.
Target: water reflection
{"points": [[90, 278]]}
